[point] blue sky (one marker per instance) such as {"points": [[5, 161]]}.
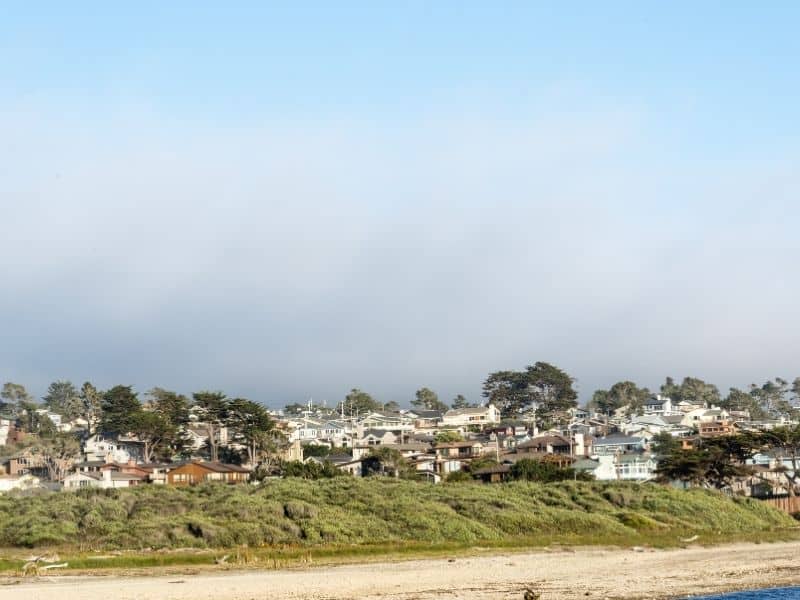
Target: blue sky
{"points": [[289, 201]]}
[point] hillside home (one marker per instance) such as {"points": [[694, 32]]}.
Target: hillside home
{"points": [[107, 479], [658, 405], [617, 444], [196, 472], [458, 450], [473, 416]]}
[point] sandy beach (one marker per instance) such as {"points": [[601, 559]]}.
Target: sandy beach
{"points": [[556, 574]]}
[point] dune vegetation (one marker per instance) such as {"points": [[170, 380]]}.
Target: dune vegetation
{"points": [[348, 512]]}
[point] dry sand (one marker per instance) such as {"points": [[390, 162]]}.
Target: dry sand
{"points": [[556, 574]]}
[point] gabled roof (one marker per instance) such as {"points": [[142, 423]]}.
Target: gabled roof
{"points": [[216, 467]]}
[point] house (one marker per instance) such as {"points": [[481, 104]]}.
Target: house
{"points": [[104, 479], [391, 421], [601, 471], [377, 437], [105, 448], [493, 473], [198, 471], [634, 467], [617, 444], [658, 405], [693, 418], [473, 416], [425, 419], [546, 444], [459, 450], [713, 429]]}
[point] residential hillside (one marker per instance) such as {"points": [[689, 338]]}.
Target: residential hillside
{"points": [[347, 510]]}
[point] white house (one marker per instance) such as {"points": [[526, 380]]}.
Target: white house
{"points": [[658, 405], [98, 447], [104, 479], [19, 482], [466, 417]]}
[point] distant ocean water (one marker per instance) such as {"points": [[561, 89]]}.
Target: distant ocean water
{"points": [[787, 593]]}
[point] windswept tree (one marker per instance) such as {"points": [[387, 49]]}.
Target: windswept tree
{"points": [[251, 425], [58, 450], [155, 432], [552, 392], [212, 408], [357, 403], [715, 462], [12, 396], [740, 400], [772, 396], [428, 399], [63, 399], [786, 440], [508, 391], [623, 394], [460, 402], [121, 408], [541, 386], [692, 390], [92, 401]]}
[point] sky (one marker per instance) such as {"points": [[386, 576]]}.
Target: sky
{"points": [[287, 201]]}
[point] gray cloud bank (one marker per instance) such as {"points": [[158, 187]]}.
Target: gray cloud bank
{"points": [[283, 261]]}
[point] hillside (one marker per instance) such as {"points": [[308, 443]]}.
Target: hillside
{"points": [[346, 511]]}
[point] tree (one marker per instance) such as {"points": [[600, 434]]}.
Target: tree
{"points": [[11, 396], [154, 431], [552, 392], [664, 444], [429, 400], [391, 406], [602, 402], [445, 437], [62, 398], [508, 391], [294, 410], [212, 408], [772, 396], [57, 451], [742, 401], [251, 424], [627, 393], [671, 390], [528, 469], [92, 400], [622, 394], [357, 403], [172, 406], [460, 402], [787, 441], [716, 462], [542, 386], [120, 408], [383, 460], [698, 391]]}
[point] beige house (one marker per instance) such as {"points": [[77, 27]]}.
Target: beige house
{"points": [[466, 417]]}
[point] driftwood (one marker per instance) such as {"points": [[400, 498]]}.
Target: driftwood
{"points": [[694, 538], [35, 566]]}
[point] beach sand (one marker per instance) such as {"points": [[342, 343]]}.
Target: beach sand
{"points": [[556, 574]]}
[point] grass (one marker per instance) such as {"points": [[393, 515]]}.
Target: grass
{"points": [[294, 522]]}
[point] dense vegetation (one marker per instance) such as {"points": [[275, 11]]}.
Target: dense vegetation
{"points": [[346, 510]]}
